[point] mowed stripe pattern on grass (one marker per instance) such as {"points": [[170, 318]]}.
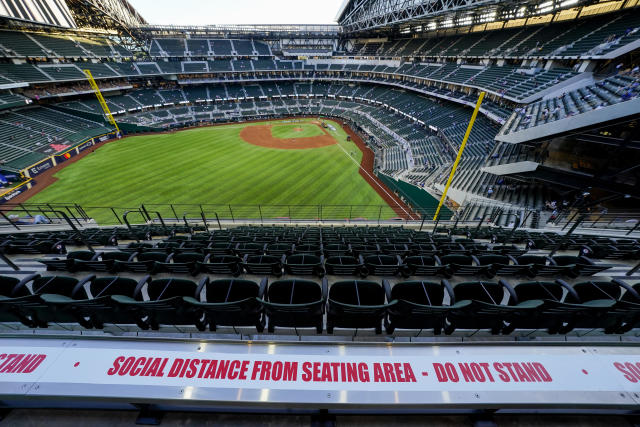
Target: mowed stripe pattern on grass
{"points": [[213, 165], [295, 130]]}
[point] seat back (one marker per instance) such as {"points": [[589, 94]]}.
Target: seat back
{"points": [[531, 259], [341, 260], [528, 291], [628, 296], [488, 292], [263, 259], [8, 287], [381, 260], [60, 285], [184, 257], [294, 291], [566, 259], [493, 259], [420, 260], [152, 256], [118, 256], [80, 255], [594, 290], [357, 292], [419, 292], [456, 259], [223, 259], [307, 248], [105, 286], [303, 259], [160, 289], [230, 290]]}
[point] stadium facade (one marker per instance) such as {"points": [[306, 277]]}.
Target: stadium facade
{"points": [[537, 267]]}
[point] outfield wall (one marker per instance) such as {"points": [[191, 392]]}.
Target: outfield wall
{"points": [[415, 196]]}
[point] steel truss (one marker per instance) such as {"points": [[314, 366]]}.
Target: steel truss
{"points": [[116, 15], [266, 31], [359, 16]]}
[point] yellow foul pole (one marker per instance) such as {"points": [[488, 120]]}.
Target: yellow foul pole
{"points": [[455, 164], [101, 100]]}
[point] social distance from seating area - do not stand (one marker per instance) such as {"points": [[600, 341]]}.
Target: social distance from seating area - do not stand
{"points": [[333, 374]]}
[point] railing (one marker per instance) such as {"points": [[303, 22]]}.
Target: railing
{"points": [[600, 219], [65, 214], [227, 213]]}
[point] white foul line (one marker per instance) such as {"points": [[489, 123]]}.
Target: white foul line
{"points": [[372, 178]]}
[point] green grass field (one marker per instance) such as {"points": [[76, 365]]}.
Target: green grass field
{"points": [[214, 166], [296, 130]]}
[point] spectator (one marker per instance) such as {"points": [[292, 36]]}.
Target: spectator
{"points": [[38, 219]]}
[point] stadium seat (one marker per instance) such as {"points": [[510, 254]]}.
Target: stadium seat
{"points": [[229, 302], [35, 247], [295, 303], [101, 262], [94, 308], [479, 306], [16, 300], [279, 249], [242, 249], [424, 265], [304, 265], [220, 264], [68, 264], [418, 305], [553, 315], [582, 266], [165, 304], [220, 249], [364, 250], [381, 265], [308, 249], [503, 265], [463, 265], [46, 292], [181, 263], [343, 265], [336, 249], [544, 266], [627, 309], [598, 300], [263, 264], [356, 304], [140, 262]]}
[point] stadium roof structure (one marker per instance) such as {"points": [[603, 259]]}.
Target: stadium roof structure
{"points": [[240, 30], [110, 14], [413, 16]]}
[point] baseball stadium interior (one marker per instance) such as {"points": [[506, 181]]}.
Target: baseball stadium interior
{"points": [[483, 269]]}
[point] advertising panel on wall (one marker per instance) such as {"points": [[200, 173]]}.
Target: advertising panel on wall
{"points": [[38, 168]]}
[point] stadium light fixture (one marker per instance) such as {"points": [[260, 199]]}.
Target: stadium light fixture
{"points": [[569, 3]]}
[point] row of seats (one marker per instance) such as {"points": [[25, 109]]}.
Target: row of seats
{"points": [[610, 91], [510, 81], [582, 38], [250, 259], [38, 45], [93, 302], [34, 133]]}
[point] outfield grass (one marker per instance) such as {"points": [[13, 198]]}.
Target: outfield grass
{"points": [[213, 165], [297, 130]]}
